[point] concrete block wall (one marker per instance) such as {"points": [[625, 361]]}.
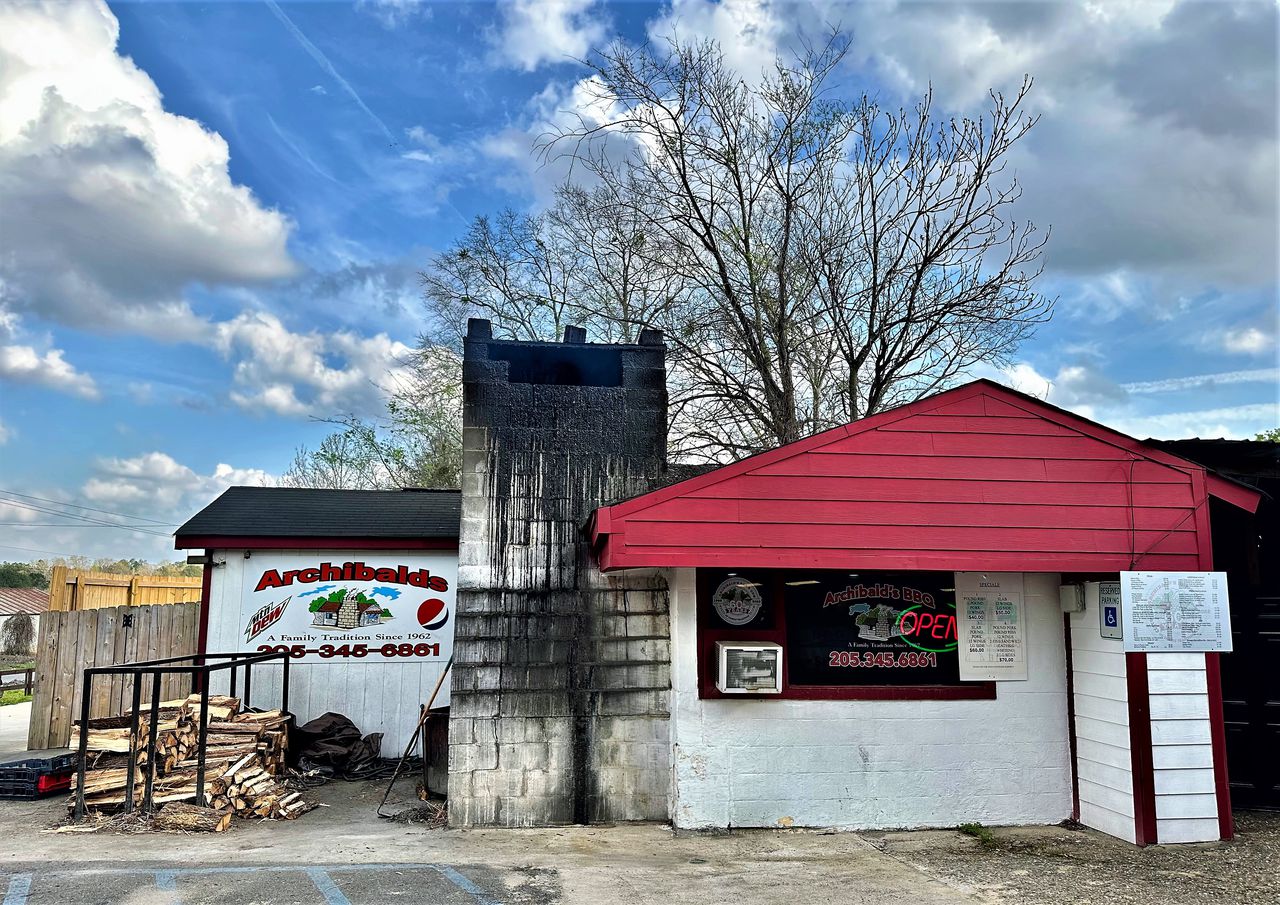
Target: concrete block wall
{"points": [[874, 764], [561, 679]]}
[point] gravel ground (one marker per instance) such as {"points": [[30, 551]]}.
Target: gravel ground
{"points": [[1057, 865]]}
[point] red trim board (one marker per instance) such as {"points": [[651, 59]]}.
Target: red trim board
{"points": [[1218, 736], [1144, 774]]}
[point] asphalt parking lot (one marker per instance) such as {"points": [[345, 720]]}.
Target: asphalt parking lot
{"points": [[343, 854]]}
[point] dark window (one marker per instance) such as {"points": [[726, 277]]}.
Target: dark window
{"points": [[871, 628], [843, 635]]}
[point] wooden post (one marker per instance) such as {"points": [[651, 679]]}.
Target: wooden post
{"points": [[133, 592], [58, 589]]}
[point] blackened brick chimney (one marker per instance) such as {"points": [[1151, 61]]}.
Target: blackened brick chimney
{"points": [[561, 678]]}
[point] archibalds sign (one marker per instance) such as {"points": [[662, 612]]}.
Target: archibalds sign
{"points": [[352, 571]]}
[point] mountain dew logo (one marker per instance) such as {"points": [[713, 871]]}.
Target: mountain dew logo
{"points": [[266, 617]]}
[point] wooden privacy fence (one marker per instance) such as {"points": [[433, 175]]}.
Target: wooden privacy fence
{"points": [[71, 642]]}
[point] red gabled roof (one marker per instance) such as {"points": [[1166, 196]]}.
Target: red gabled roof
{"points": [[980, 476]]}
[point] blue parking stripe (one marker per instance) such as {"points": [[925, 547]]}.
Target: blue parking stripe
{"points": [[19, 886], [465, 885], [329, 889]]}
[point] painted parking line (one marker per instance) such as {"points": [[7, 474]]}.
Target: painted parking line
{"points": [[322, 878], [332, 894], [19, 887]]}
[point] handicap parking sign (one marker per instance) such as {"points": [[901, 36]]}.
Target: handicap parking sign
{"points": [[1109, 610]]}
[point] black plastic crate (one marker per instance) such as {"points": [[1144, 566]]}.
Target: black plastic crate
{"points": [[20, 779]]}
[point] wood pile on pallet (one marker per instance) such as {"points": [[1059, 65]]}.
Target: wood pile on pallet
{"points": [[244, 756]]}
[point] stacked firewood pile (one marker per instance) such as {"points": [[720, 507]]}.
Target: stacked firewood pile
{"points": [[244, 756]]}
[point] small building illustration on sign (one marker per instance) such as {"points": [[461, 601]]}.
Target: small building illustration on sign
{"points": [[353, 610]]}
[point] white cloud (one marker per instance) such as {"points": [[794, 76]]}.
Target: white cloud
{"points": [[300, 374], [1249, 341], [1156, 150], [6, 433], [1240, 422], [394, 13], [111, 204], [751, 32], [1174, 384], [23, 364], [532, 33], [156, 482]]}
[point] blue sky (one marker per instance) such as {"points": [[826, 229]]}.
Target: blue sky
{"points": [[212, 215]]}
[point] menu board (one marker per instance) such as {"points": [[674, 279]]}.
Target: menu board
{"points": [[992, 626], [1175, 611], [870, 628]]}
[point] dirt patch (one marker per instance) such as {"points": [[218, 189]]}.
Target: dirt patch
{"points": [[1060, 865]]}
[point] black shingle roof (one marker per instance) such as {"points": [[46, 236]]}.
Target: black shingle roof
{"points": [[301, 512]]}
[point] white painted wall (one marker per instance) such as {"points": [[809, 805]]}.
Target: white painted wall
{"points": [[1182, 748], [1104, 759], [376, 696], [868, 764]]}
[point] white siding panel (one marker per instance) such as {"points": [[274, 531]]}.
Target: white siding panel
{"points": [[1182, 757], [1102, 753], [1106, 797], [1099, 818], [1171, 831], [1180, 732], [1089, 707], [1179, 706], [1104, 760], [1178, 681], [1175, 661], [1113, 734], [1182, 807], [1184, 782]]}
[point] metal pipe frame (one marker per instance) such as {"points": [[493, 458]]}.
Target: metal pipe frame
{"points": [[200, 670]]}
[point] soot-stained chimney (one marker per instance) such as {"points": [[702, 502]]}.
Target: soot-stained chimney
{"points": [[561, 676]]}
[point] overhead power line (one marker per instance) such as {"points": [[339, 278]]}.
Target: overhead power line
{"points": [[40, 499], [86, 520]]}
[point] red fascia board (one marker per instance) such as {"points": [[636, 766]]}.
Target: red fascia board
{"points": [[614, 556], [231, 542], [1229, 491]]}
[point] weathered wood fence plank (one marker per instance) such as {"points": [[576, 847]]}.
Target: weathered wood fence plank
{"points": [[73, 641]]}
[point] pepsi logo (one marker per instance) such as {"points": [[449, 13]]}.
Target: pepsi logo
{"points": [[432, 613]]}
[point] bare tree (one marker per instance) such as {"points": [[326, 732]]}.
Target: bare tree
{"points": [[18, 636], [810, 260], [417, 443]]}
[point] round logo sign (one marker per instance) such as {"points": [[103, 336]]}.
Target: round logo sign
{"points": [[432, 613], [737, 601]]}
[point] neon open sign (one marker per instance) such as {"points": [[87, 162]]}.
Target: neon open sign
{"points": [[928, 630]]}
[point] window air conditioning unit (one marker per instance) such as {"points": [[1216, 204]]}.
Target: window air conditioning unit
{"points": [[749, 667]]}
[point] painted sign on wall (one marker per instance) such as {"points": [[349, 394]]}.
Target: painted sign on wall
{"points": [[1175, 611], [369, 609], [992, 626]]}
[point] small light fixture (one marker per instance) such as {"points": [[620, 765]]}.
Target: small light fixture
{"points": [[796, 584]]}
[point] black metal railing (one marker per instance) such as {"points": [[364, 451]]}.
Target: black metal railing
{"points": [[200, 671]]}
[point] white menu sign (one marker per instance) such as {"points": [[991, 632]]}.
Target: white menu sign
{"points": [[1175, 611], [991, 626]]}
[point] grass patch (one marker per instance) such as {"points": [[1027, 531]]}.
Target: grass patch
{"points": [[11, 661], [979, 832], [14, 696]]}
